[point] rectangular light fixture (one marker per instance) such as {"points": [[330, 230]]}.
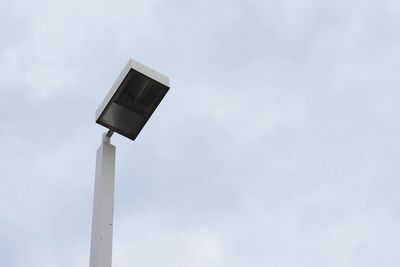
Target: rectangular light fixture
{"points": [[132, 99]]}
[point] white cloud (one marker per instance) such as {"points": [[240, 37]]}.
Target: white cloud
{"points": [[277, 144]]}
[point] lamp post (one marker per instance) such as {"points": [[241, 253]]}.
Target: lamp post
{"points": [[125, 110]]}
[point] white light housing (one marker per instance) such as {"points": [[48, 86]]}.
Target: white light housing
{"points": [[132, 99]]}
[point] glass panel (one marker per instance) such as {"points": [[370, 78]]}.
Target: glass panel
{"points": [[141, 94], [123, 120]]}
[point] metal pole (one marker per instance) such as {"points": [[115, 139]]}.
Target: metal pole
{"points": [[103, 205]]}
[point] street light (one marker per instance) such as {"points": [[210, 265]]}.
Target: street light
{"points": [[125, 110], [132, 99]]}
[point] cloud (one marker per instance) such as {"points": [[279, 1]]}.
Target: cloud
{"points": [[276, 145]]}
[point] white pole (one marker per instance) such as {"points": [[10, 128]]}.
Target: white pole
{"points": [[103, 205]]}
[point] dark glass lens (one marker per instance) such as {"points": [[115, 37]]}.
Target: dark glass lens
{"points": [[141, 93]]}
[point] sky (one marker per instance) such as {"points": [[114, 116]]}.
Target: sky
{"points": [[278, 144]]}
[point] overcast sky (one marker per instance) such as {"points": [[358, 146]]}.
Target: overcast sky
{"points": [[278, 144]]}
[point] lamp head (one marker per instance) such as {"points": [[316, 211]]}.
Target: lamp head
{"points": [[132, 99]]}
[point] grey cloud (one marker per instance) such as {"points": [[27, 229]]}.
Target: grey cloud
{"points": [[276, 145]]}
